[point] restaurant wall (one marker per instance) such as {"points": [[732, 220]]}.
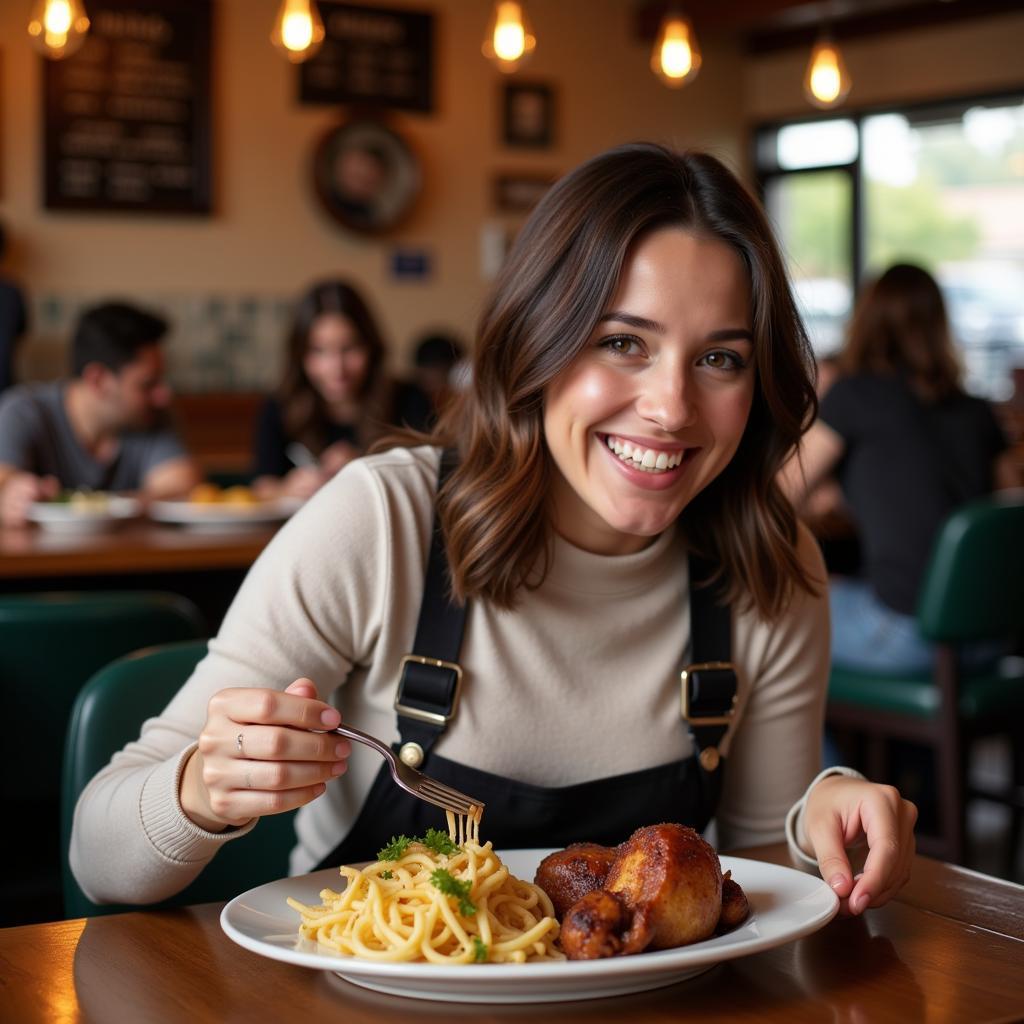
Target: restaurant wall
{"points": [[960, 58], [226, 279]]}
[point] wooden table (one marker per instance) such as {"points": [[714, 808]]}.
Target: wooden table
{"points": [[949, 948], [134, 548]]}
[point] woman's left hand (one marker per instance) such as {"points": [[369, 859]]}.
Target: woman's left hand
{"points": [[840, 812]]}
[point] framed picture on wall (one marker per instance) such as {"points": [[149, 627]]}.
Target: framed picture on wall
{"points": [[528, 115], [372, 56], [366, 175], [135, 142], [520, 193]]}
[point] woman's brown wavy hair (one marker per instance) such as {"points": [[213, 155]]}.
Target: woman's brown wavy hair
{"points": [[558, 280], [900, 328], [303, 412]]}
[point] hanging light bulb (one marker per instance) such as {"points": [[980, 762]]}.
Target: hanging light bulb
{"points": [[509, 41], [298, 30], [827, 82], [676, 58], [57, 27]]}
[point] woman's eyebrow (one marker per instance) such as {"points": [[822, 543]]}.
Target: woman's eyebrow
{"points": [[732, 334], [643, 324], [640, 322]]}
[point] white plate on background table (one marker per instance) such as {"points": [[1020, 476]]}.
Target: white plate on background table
{"points": [[222, 515], [785, 905], [67, 517]]}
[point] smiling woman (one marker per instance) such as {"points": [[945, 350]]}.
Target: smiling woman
{"points": [[593, 526], [654, 407]]}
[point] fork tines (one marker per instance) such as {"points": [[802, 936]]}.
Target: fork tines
{"points": [[450, 799]]}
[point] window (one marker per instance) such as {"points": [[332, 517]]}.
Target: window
{"points": [[942, 186]]}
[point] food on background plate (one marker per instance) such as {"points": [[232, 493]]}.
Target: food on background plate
{"points": [[662, 888], [83, 500], [214, 494], [443, 898]]}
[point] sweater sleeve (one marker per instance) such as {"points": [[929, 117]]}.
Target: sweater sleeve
{"points": [[775, 750], [310, 606]]}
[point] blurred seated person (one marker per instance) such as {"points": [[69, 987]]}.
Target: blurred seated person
{"points": [[13, 320], [335, 398], [105, 429], [435, 357], [907, 446]]}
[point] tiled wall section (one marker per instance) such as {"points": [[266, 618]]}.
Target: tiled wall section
{"points": [[216, 342]]}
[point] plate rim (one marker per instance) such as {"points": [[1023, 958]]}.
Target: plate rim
{"points": [[120, 506], [189, 513], [709, 951]]}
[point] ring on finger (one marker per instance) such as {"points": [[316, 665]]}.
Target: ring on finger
{"points": [[238, 745]]}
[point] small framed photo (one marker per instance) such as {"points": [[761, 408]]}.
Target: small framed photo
{"points": [[520, 193], [528, 115], [366, 175]]}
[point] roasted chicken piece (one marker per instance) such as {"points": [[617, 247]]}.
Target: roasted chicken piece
{"points": [[664, 889], [671, 879], [598, 925], [569, 874], [734, 905]]}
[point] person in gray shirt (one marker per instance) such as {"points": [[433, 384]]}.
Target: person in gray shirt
{"points": [[104, 429]]}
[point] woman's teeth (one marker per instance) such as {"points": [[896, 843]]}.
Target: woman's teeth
{"points": [[644, 458]]}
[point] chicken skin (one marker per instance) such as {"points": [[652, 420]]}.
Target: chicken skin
{"points": [[663, 888], [598, 925], [672, 880], [734, 905], [569, 874]]}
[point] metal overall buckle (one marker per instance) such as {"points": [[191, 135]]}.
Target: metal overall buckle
{"points": [[690, 680]]}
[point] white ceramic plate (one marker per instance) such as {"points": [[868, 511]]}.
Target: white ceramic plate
{"points": [[785, 904], [221, 516], [62, 517]]}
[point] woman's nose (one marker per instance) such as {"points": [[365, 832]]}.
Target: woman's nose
{"points": [[666, 400]]}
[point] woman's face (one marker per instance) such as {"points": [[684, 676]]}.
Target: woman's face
{"points": [[653, 408], [336, 360]]}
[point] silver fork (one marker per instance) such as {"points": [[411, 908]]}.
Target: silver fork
{"points": [[412, 781]]}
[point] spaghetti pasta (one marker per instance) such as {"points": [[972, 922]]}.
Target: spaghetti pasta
{"points": [[456, 907]]}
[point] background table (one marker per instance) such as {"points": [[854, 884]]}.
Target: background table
{"points": [[206, 567], [949, 948], [132, 548]]}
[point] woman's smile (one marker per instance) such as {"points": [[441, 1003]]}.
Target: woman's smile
{"points": [[653, 408]]}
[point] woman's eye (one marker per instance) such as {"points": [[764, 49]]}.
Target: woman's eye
{"points": [[621, 344], [724, 359]]}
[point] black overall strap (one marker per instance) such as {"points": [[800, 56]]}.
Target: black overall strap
{"points": [[709, 682], [428, 691]]}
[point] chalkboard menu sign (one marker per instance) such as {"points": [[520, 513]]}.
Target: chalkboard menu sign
{"points": [[372, 56], [128, 116]]}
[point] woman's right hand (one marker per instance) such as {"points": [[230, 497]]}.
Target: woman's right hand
{"points": [[258, 754]]}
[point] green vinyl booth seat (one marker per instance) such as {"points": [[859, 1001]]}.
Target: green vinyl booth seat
{"points": [[108, 714], [50, 644], [973, 593]]}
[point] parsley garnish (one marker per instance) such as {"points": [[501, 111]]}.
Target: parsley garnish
{"points": [[451, 886], [395, 850], [438, 841], [387, 874], [479, 950]]}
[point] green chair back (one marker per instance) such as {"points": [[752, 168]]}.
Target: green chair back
{"points": [[108, 714], [974, 587], [973, 592]]}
